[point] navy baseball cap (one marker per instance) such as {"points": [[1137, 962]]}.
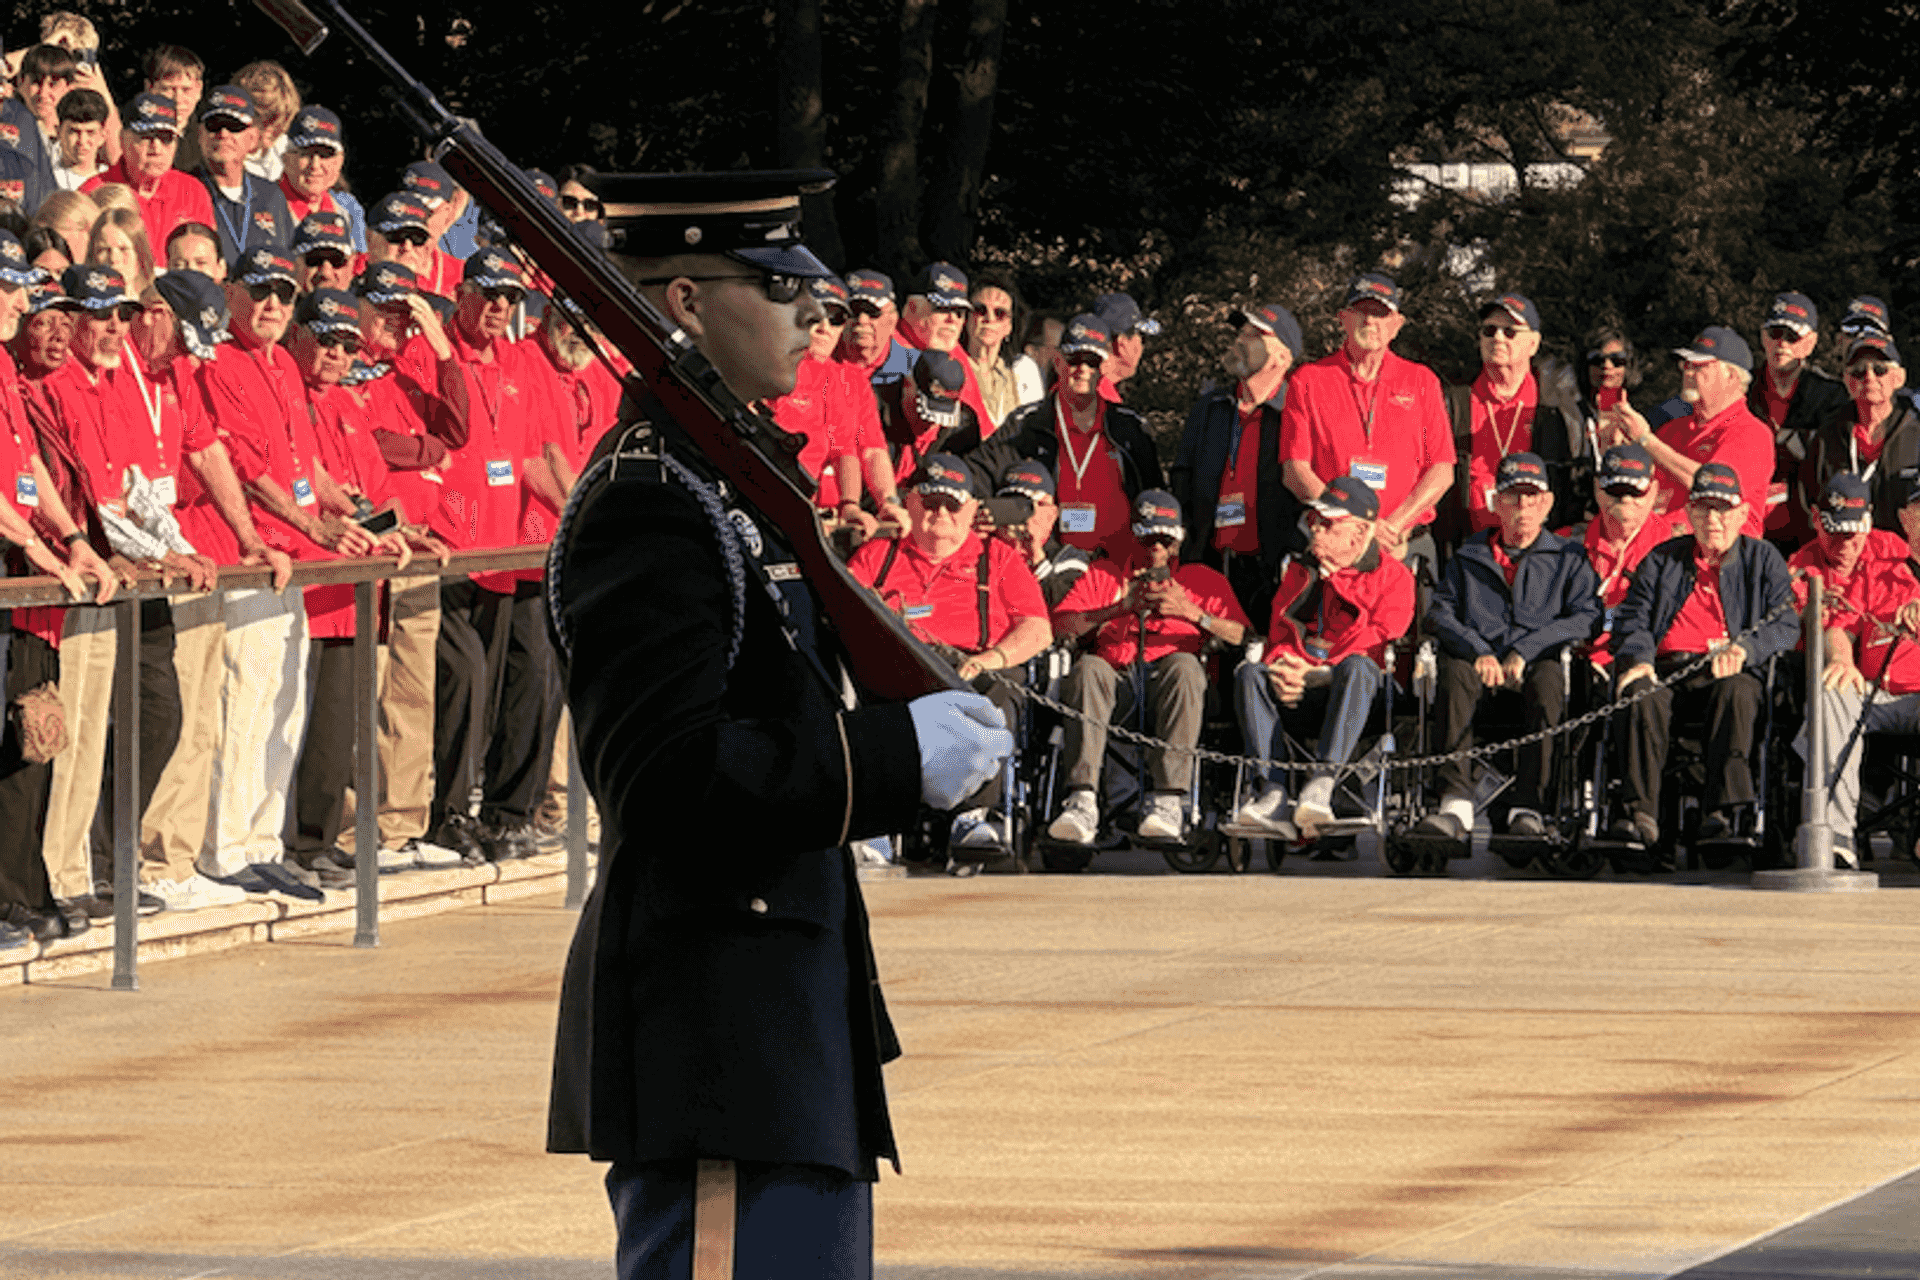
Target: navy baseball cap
{"points": [[229, 102], [427, 181], [383, 283], [1794, 311], [151, 113], [200, 305], [315, 127], [1866, 312], [96, 288], [829, 291], [1716, 482], [1717, 342], [14, 267], [1156, 514], [1846, 506], [938, 380], [398, 211], [1347, 496], [1876, 343], [543, 182], [1027, 479], [1373, 286], [262, 265], [870, 286], [1271, 317], [491, 269], [1626, 466], [943, 473], [1122, 315], [329, 311], [1086, 333], [48, 296], [750, 215], [1522, 471], [942, 284], [1520, 308], [322, 230]]}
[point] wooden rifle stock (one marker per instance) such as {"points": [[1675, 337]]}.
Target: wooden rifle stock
{"points": [[755, 456]]}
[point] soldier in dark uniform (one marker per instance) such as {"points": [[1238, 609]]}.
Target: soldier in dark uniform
{"points": [[721, 1027]]}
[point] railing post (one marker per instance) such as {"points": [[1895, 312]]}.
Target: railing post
{"points": [[126, 791], [366, 774], [1813, 842], [576, 824]]}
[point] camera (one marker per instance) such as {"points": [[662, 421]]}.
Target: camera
{"points": [[995, 513]]}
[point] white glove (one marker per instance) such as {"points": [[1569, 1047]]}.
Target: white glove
{"points": [[963, 738]]}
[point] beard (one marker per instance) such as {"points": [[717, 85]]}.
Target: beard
{"points": [[1239, 364], [107, 359], [1690, 394]]}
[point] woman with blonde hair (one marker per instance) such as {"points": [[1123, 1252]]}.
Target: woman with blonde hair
{"points": [[119, 240], [70, 216], [278, 102]]}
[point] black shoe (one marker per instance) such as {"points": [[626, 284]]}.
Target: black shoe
{"points": [[1718, 825], [247, 878], [73, 916], [506, 843], [457, 832], [99, 903], [283, 882], [41, 926], [12, 936]]}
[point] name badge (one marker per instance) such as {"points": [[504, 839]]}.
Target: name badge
{"points": [[1232, 511], [1371, 474], [168, 490], [1316, 648], [1078, 517], [915, 612], [26, 490], [500, 473], [1606, 622], [302, 491]]}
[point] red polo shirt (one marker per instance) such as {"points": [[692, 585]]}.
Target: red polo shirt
{"points": [[1236, 518], [941, 598], [1094, 509], [1386, 432], [179, 198], [1702, 620], [592, 400], [1615, 563], [1500, 427], [1734, 437], [547, 404], [1118, 639], [1891, 585], [18, 449], [483, 478], [259, 408], [1845, 594], [200, 520]]}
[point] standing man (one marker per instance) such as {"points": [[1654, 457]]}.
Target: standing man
{"points": [[315, 156], [1125, 327], [740, 1097], [1227, 472], [248, 210], [1500, 413], [1366, 412], [1798, 403], [168, 199]]}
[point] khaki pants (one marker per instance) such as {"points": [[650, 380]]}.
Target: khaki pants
{"points": [[406, 710], [263, 707], [176, 820], [87, 647]]}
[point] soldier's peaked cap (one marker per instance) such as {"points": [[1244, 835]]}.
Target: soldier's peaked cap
{"points": [[752, 215]]}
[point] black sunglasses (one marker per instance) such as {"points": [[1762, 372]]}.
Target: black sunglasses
{"points": [[224, 124], [349, 341], [581, 204], [1613, 359], [497, 293], [836, 316], [985, 312], [1086, 358], [1861, 368], [941, 502], [326, 258], [863, 307], [406, 235], [1506, 331], [1780, 333], [1159, 540], [281, 289], [780, 288]]}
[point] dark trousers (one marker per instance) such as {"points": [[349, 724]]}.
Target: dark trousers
{"points": [[996, 692], [318, 807], [789, 1220], [160, 721], [460, 693], [1731, 708], [31, 662], [524, 702], [1253, 586], [1543, 697]]}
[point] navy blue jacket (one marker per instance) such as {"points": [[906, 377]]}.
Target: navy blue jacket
{"points": [[28, 142], [1206, 446], [1554, 600], [1753, 583]]}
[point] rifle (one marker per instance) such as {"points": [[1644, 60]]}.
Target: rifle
{"points": [[754, 454]]}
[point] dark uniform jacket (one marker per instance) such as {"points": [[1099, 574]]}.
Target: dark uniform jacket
{"points": [[720, 998], [1030, 432], [1554, 600], [1819, 404], [1753, 583], [1888, 478], [1206, 446]]}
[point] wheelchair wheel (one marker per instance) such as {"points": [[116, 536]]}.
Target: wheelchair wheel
{"points": [[1192, 859], [1064, 858], [1578, 859], [1276, 853]]}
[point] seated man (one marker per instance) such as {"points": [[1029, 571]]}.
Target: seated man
{"points": [[974, 595], [1507, 603], [1691, 597], [1155, 611], [1056, 565], [1848, 551], [1619, 537], [1337, 608]]}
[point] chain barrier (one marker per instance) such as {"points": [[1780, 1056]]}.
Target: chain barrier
{"points": [[1644, 689]]}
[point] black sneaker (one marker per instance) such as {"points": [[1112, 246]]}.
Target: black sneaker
{"points": [[12, 936], [509, 842], [41, 926], [247, 878], [73, 915], [99, 903], [458, 832], [282, 882]]}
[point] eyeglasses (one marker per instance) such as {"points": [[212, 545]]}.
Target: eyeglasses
{"points": [[1612, 359], [1712, 512], [406, 235], [1780, 333], [224, 124], [581, 204], [862, 307], [281, 289], [780, 288], [1088, 358], [941, 502], [1159, 540], [503, 293], [349, 341], [836, 316], [984, 312], [1860, 369], [125, 313], [1507, 331], [325, 258]]}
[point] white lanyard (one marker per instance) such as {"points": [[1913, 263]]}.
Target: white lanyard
{"points": [[1853, 447], [1085, 460]]}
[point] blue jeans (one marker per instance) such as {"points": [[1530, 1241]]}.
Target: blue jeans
{"points": [[1340, 709], [790, 1220]]}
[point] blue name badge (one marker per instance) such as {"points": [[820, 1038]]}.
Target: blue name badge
{"points": [[500, 473], [302, 491], [26, 490], [1371, 474], [915, 612]]}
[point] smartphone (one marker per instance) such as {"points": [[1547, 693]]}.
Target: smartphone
{"points": [[379, 521]]}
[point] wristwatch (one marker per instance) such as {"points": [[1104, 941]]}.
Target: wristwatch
{"points": [[1204, 621]]}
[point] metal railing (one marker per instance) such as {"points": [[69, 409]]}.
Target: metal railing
{"points": [[364, 574]]}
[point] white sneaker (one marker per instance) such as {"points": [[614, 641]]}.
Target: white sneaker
{"points": [[1263, 810], [1316, 805], [196, 893], [977, 829], [433, 857], [1163, 820], [1078, 821], [401, 859], [876, 852]]}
